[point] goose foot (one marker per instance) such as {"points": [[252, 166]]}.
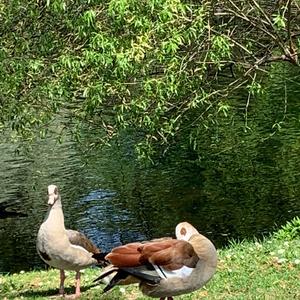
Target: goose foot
{"points": [[62, 289], [77, 288]]}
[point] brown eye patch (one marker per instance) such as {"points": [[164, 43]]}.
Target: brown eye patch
{"points": [[183, 231]]}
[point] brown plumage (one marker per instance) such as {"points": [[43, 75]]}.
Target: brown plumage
{"points": [[79, 239], [172, 254], [164, 267]]}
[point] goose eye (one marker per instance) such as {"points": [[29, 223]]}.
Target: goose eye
{"points": [[183, 231]]}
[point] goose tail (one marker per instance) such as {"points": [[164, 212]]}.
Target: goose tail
{"points": [[100, 257]]}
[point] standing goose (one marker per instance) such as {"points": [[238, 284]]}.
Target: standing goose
{"points": [[61, 248], [163, 267]]}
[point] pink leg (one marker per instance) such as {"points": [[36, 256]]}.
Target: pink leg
{"points": [[62, 281], [77, 293]]}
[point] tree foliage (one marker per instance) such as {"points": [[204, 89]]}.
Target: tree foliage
{"points": [[154, 66]]}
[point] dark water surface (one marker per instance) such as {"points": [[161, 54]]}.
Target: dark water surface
{"points": [[242, 184]]}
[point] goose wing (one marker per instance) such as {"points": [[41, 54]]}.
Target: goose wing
{"points": [[171, 254], [77, 238], [149, 262]]}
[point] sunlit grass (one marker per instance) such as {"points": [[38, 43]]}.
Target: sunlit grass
{"points": [[268, 269]]}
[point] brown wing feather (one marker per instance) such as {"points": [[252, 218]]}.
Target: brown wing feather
{"points": [[172, 254], [79, 239], [157, 246], [179, 255], [131, 248], [152, 249], [121, 260], [125, 256]]}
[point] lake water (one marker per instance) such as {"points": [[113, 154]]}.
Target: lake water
{"points": [[243, 184]]}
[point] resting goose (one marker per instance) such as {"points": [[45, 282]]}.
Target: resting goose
{"points": [[163, 267], [61, 248]]}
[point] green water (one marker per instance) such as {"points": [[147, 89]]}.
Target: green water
{"points": [[239, 182]]}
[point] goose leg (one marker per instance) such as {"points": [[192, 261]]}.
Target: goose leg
{"points": [[77, 292], [62, 281]]}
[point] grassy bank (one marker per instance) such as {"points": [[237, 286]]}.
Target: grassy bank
{"points": [[268, 269]]}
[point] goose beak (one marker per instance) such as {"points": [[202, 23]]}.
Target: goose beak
{"points": [[53, 194], [51, 200]]}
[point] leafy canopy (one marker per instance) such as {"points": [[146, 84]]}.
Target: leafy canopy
{"points": [[152, 66]]}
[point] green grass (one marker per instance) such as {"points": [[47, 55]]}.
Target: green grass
{"points": [[269, 269]]}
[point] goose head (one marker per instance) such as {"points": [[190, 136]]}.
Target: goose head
{"points": [[53, 194], [184, 231]]}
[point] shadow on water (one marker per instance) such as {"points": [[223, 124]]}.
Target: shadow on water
{"points": [[236, 184], [5, 212]]}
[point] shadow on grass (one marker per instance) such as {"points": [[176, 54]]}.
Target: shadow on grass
{"points": [[53, 293]]}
